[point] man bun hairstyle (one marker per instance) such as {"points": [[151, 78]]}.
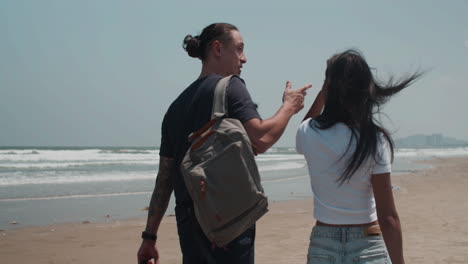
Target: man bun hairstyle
{"points": [[198, 46], [192, 46]]}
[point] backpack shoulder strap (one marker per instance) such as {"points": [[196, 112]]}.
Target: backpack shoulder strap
{"points": [[219, 98]]}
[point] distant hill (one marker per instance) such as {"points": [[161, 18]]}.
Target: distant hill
{"points": [[429, 141]]}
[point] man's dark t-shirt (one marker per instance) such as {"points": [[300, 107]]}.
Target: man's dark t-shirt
{"points": [[190, 112]]}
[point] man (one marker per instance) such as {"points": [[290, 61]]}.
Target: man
{"points": [[220, 47]]}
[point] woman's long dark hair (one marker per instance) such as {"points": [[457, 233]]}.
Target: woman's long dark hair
{"points": [[353, 96]]}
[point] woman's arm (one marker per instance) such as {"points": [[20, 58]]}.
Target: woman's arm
{"points": [[317, 107], [388, 217]]}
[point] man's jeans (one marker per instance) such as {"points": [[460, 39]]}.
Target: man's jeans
{"points": [[197, 249], [345, 245]]}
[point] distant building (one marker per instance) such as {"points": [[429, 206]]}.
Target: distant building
{"points": [[434, 140]]}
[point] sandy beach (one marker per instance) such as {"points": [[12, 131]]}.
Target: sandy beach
{"points": [[432, 205]]}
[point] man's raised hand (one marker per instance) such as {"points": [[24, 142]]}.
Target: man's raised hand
{"points": [[294, 99]]}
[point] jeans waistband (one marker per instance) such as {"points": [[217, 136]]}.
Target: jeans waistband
{"points": [[342, 234]]}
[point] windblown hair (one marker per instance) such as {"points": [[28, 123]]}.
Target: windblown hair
{"points": [[353, 96], [198, 46]]}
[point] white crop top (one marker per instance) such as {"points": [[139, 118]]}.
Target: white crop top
{"points": [[352, 202]]}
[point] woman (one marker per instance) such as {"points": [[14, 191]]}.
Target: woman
{"points": [[349, 157]]}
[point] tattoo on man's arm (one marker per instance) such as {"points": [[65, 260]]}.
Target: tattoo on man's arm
{"points": [[163, 189]]}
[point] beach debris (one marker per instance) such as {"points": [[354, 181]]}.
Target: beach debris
{"points": [[85, 222], [13, 223]]}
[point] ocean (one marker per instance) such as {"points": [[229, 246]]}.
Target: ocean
{"points": [[41, 186]]}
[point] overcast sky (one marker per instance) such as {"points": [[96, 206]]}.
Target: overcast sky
{"points": [[103, 73]]}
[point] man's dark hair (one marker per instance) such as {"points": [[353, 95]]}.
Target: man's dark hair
{"points": [[198, 46], [353, 96]]}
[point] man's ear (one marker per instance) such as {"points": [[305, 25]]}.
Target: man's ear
{"points": [[216, 48]]}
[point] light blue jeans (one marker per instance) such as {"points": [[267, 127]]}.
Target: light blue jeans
{"points": [[345, 245]]}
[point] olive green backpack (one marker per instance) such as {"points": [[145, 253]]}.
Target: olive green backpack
{"points": [[221, 175]]}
